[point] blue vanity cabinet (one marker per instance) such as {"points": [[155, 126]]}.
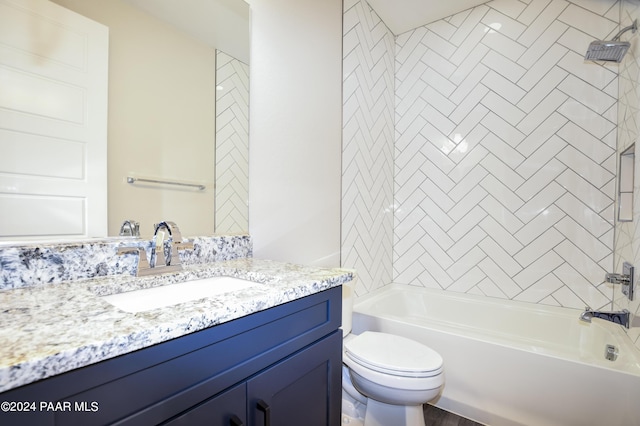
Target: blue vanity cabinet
{"points": [[278, 367]]}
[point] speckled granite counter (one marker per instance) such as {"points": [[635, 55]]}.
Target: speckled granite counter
{"points": [[48, 330]]}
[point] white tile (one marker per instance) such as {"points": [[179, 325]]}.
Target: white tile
{"points": [[470, 23], [545, 175], [437, 157], [579, 236], [584, 166], [541, 134], [532, 11], [437, 100], [467, 223], [434, 257], [575, 40], [468, 127], [438, 63], [500, 235], [579, 278], [438, 215], [539, 225], [503, 87], [592, 23], [587, 94], [585, 142], [586, 118], [438, 195], [537, 159], [568, 299], [471, 65], [442, 28], [503, 66], [538, 269], [506, 46], [439, 120], [500, 256], [436, 137], [541, 289], [542, 88], [542, 22], [469, 106], [468, 45], [542, 244], [488, 288], [465, 263], [438, 44], [542, 44], [501, 171], [540, 202], [591, 72], [582, 214], [467, 203], [501, 214], [469, 83], [502, 150], [542, 66], [542, 112], [501, 193], [505, 131], [437, 233], [467, 163], [467, 184], [411, 217], [466, 282], [503, 108], [510, 8]]}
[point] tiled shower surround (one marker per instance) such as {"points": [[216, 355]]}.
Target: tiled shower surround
{"points": [[499, 178]]}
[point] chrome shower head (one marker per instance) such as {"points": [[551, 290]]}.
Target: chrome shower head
{"points": [[610, 51]]}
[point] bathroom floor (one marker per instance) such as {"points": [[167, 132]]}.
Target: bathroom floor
{"points": [[433, 416]]}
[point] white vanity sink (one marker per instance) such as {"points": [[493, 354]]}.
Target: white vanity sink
{"points": [[173, 294]]}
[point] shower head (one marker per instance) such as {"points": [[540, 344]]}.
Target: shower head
{"points": [[610, 51]]}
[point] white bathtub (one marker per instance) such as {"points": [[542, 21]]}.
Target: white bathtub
{"points": [[513, 363]]}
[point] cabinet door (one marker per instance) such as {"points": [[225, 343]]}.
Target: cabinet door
{"points": [[226, 409], [303, 389]]}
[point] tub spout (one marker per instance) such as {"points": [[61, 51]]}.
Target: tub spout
{"points": [[617, 317]]}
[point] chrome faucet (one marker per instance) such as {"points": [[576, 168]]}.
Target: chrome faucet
{"points": [[617, 317], [159, 261], [130, 228], [625, 279], [172, 257]]}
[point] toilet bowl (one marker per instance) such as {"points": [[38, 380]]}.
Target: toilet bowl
{"points": [[394, 376]]}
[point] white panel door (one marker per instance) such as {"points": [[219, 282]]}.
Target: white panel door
{"points": [[53, 122]]}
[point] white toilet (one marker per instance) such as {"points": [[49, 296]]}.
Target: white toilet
{"points": [[386, 378]]}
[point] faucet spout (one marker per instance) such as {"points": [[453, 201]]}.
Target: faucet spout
{"points": [[617, 317]]}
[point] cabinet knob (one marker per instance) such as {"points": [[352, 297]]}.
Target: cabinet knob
{"points": [[235, 421], [264, 407]]}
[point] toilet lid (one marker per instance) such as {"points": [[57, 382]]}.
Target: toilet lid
{"points": [[393, 354]]}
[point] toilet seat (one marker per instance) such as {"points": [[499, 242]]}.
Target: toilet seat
{"points": [[393, 355]]}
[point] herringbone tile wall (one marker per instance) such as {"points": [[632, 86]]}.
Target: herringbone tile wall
{"points": [[505, 153], [368, 117], [627, 241], [232, 145]]}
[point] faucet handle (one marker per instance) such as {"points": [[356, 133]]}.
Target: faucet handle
{"points": [[143, 263]]}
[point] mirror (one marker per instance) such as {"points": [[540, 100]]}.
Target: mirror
{"points": [[162, 105]]}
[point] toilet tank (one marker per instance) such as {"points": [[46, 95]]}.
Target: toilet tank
{"points": [[347, 306]]}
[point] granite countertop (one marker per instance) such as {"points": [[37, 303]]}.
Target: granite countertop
{"points": [[50, 329]]}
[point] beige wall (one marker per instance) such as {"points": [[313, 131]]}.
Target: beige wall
{"points": [[161, 118], [295, 130]]}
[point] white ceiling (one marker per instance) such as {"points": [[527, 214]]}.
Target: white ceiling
{"points": [[225, 23], [404, 15], [220, 23]]}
